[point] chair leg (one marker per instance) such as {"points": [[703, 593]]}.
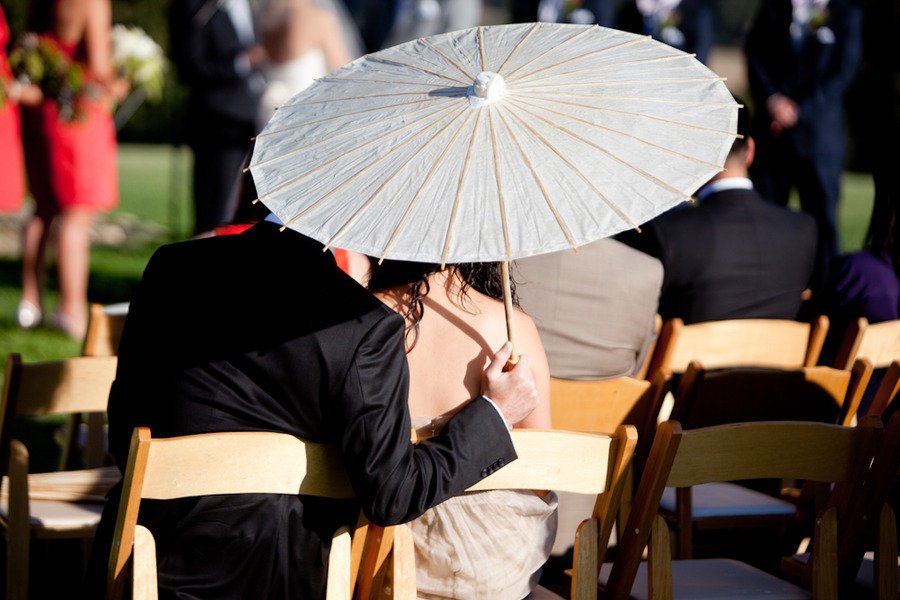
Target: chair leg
{"points": [[659, 562], [886, 555], [19, 524]]}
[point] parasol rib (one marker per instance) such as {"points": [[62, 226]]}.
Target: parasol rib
{"points": [[623, 82], [397, 63], [621, 161], [345, 132], [524, 37], [582, 56], [559, 220], [418, 193], [555, 49], [443, 111], [612, 205], [622, 133], [385, 183], [341, 116], [481, 49], [537, 93], [495, 151], [355, 80], [457, 93], [452, 62], [601, 68], [462, 177]]}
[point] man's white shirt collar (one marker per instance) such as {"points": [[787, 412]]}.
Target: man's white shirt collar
{"points": [[726, 183]]}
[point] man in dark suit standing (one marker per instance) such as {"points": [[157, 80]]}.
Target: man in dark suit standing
{"points": [[214, 47], [262, 332], [734, 255], [683, 24], [801, 58]]}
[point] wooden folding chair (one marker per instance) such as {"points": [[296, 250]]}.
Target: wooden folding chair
{"points": [[880, 343], [104, 330], [49, 505], [231, 463], [739, 342], [811, 451], [601, 407], [575, 462], [707, 398], [887, 391]]}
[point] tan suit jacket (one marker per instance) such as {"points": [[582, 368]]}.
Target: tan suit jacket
{"points": [[594, 309]]}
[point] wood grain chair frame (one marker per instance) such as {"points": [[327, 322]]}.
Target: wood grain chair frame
{"points": [[225, 463], [739, 342], [817, 452], [104, 330], [708, 398], [878, 342], [576, 462], [51, 505], [887, 390]]}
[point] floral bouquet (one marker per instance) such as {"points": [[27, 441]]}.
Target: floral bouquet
{"points": [[140, 60], [38, 60]]}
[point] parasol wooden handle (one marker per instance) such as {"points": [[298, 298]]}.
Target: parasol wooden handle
{"points": [[507, 304]]}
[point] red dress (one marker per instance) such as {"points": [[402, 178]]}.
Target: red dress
{"points": [[12, 183]]}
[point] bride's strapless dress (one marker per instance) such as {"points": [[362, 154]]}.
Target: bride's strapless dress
{"points": [[482, 545], [285, 79]]}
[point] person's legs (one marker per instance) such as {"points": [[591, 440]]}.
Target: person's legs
{"points": [[819, 186], [34, 245], [73, 262]]}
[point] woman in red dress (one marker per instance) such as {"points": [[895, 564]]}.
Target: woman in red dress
{"points": [[12, 184], [71, 162]]}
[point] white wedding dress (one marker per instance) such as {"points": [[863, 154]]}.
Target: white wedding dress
{"points": [[285, 79]]}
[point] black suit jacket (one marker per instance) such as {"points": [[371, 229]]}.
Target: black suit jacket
{"points": [[262, 332], [734, 256], [815, 72], [204, 45]]}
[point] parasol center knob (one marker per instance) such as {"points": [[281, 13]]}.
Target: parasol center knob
{"points": [[488, 87]]}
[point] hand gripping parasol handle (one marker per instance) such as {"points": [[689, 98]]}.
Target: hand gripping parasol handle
{"points": [[508, 305]]}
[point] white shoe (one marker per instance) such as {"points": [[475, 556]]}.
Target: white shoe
{"points": [[28, 316]]}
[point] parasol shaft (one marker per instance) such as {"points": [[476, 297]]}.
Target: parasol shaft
{"points": [[508, 305]]}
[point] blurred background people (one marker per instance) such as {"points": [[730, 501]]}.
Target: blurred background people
{"points": [[580, 12], [734, 255], [413, 19], [71, 160], [683, 24], [595, 308], [302, 42], [214, 46], [12, 184], [801, 57]]}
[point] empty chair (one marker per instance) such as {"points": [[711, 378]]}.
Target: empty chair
{"points": [[815, 452], [740, 342], [229, 463], [707, 398], [879, 342], [49, 505]]}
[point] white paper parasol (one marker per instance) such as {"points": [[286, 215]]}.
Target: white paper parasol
{"points": [[494, 143]]}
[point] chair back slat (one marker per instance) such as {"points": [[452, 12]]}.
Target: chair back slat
{"points": [[887, 390], [754, 342], [73, 385], [104, 330], [596, 406], [564, 461], [880, 343], [241, 463], [811, 451]]}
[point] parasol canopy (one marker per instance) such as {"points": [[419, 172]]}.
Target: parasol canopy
{"points": [[494, 143]]}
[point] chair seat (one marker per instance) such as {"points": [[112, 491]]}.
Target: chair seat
{"points": [[711, 500], [60, 516], [865, 577], [716, 579]]}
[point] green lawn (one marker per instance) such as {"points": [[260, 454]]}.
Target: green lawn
{"points": [[154, 184]]}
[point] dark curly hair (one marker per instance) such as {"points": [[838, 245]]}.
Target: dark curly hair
{"points": [[481, 277]]}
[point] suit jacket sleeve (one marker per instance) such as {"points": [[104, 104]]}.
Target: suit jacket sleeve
{"points": [[755, 49], [394, 480]]}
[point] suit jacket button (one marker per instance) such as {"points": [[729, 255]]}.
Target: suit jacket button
{"points": [[484, 472], [500, 462]]}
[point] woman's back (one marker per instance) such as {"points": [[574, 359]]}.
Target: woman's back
{"points": [[456, 337]]}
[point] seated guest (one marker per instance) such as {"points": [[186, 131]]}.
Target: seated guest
{"points": [[481, 545], [595, 308], [733, 255], [261, 331]]}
